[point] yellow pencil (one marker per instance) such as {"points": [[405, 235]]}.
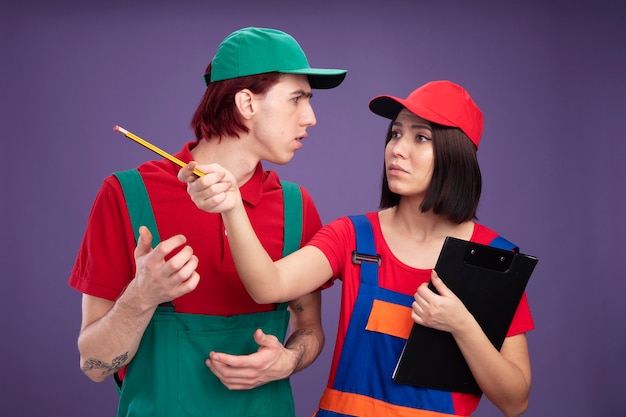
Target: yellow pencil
{"points": [[154, 149]]}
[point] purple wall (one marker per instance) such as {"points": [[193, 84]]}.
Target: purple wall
{"points": [[549, 76]]}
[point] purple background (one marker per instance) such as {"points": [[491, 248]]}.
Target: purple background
{"points": [[548, 75]]}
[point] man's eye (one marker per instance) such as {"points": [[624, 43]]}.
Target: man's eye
{"points": [[295, 99]]}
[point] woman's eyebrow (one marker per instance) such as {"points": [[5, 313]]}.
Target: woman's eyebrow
{"points": [[422, 126], [417, 125]]}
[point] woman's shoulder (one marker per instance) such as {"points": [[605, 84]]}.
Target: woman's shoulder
{"points": [[342, 230], [483, 234], [348, 222], [486, 236]]}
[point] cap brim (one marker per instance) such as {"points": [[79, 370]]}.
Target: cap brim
{"points": [[386, 106], [320, 78], [389, 107]]}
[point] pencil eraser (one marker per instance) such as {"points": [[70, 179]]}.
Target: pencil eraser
{"points": [[116, 128]]}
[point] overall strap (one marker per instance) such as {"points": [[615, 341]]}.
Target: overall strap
{"points": [[292, 225], [292, 197], [140, 209], [501, 243], [138, 203], [365, 252], [141, 213]]}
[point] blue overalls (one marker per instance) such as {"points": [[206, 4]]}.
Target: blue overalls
{"points": [[373, 343]]}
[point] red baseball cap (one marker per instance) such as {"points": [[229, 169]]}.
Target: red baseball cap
{"points": [[441, 102]]}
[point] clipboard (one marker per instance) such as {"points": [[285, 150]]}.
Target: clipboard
{"points": [[490, 282]]}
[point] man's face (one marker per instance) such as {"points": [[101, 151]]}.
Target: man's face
{"points": [[281, 118]]}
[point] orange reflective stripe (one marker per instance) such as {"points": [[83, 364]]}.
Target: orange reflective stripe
{"points": [[391, 319], [361, 405]]}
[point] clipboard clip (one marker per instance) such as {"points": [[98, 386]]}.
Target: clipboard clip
{"points": [[489, 257], [358, 258]]}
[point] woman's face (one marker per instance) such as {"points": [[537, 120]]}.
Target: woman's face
{"points": [[409, 155]]}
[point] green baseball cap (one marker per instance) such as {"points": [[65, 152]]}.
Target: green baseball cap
{"points": [[251, 51]]}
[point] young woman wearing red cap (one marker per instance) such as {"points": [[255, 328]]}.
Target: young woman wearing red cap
{"points": [[431, 189]]}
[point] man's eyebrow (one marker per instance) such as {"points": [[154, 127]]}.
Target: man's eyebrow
{"points": [[302, 93]]}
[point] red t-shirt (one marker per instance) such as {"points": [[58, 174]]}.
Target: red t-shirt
{"points": [[105, 263], [337, 241]]}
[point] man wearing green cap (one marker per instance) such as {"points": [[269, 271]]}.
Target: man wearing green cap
{"points": [[164, 310]]}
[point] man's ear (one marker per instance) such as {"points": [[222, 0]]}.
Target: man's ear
{"points": [[244, 102]]}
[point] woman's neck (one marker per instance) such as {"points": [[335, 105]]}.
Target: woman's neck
{"points": [[416, 238], [422, 226]]}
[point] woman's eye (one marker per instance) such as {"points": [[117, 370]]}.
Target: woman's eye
{"points": [[395, 134], [422, 138]]}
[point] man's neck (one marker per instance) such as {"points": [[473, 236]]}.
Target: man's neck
{"points": [[230, 153]]}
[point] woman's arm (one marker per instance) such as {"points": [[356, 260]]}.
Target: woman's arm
{"points": [[298, 274], [504, 376]]}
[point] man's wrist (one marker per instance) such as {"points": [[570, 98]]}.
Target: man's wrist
{"points": [[296, 351]]}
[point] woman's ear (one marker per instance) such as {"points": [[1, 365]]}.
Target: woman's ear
{"points": [[243, 101]]}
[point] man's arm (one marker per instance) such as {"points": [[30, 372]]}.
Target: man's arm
{"points": [[307, 335], [110, 335], [273, 361], [111, 331]]}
